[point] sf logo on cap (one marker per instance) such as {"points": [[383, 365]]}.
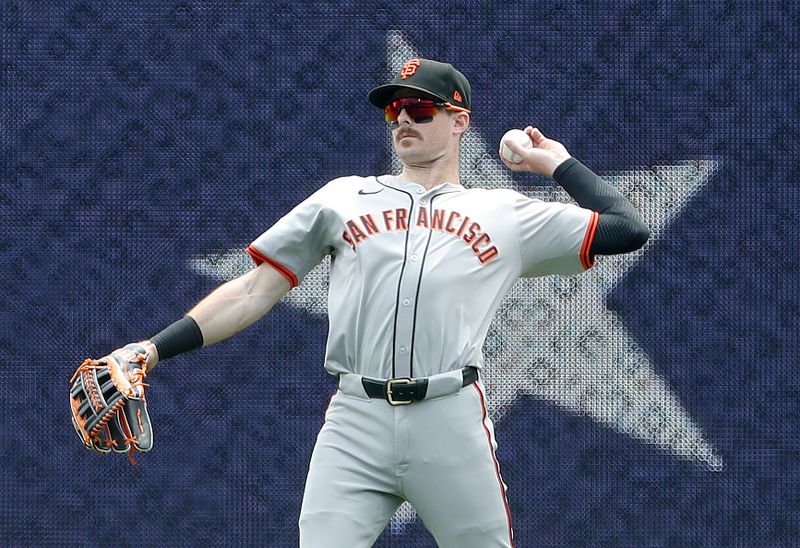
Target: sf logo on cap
{"points": [[409, 68]]}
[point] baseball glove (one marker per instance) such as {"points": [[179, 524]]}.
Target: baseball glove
{"points": [[109, 411]]}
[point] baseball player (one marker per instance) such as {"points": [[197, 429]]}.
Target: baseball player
{"points": [[419, 266]]}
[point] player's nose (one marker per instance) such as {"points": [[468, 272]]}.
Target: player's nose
{"points": [[403, 118]]}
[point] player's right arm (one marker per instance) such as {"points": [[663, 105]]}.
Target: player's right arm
{"points": [[620, 228], [230, 308]]}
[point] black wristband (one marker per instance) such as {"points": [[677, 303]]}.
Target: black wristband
{"points": [[181, 336]]}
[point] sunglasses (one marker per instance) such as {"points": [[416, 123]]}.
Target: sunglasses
{"points": [[420, 110]]}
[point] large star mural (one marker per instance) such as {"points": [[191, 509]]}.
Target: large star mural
{"points": [[554, 338]]}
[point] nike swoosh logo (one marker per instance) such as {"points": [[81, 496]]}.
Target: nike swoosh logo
{"points": [[363, 193]]}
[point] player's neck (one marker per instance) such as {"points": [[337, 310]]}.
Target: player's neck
{"points": [[431, 175]]}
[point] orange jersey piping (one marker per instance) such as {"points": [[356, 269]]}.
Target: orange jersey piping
{"points": [[259, 258], [587, 260]]}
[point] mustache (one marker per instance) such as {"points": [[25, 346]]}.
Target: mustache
{"points": [[405, 132]]}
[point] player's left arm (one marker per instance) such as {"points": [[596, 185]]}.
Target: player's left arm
{"points": [[620, 228]]}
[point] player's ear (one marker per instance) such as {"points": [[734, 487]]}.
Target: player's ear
{"points": [[461, 122]]}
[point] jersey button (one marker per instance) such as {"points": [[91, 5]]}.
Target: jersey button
{"points": [[402, 349], [414, 257], [406, 302], [423, 202], [420, 190]]}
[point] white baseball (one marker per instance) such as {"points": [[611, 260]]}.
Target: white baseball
{"points": [[518, 136]]}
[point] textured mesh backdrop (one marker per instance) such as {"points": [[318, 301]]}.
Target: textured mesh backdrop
{"points": [[650, 402]]}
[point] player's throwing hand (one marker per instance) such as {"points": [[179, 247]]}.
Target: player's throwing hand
{"points": [[543, 157]]}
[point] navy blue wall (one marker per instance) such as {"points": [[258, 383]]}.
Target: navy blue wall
{"points": [[137, 135]]}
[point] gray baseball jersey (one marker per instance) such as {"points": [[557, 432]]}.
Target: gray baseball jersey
{"points": [[417, 274], [416, 277]]}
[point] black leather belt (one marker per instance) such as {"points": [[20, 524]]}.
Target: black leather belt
{"points": [[402, 391]]}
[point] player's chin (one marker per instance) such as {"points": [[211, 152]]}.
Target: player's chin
{"points": [[408, 152]]}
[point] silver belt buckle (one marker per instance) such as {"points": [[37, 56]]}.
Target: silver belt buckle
{"points": [[390, 397]]}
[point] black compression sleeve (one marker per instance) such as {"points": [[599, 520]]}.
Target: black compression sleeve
{"points": [[181, 336], [618, 234], [620, 228], [589, 190]]}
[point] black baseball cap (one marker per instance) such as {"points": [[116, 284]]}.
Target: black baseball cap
{"points": [[440, 80]]}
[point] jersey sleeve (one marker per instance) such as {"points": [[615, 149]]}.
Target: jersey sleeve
{"points": [[298, 241], [555, 238]]}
